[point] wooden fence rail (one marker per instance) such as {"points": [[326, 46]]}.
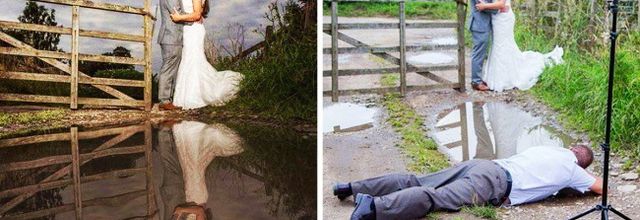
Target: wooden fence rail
{"points": [[75, 76], [74, 161], [334, 28]]}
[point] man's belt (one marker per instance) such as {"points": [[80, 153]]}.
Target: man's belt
{"points": [[509, 182]]}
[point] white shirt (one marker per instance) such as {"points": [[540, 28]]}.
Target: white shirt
{"points": [[539, 172]]}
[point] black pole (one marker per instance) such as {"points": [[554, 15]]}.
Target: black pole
{"points": [[604, 207]]}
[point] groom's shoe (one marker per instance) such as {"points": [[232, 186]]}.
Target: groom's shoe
{"points": [[168, 106], [480, 86], [365, 208]]}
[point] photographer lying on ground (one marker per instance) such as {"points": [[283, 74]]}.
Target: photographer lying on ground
{"points": [[530, 176]]}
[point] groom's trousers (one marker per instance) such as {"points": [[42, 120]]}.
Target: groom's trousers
{"points": [[479, 54], [405, 196], [171, 56]]}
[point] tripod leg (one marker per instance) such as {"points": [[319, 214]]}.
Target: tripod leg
{"points": [[619, 213], [584, 213]]}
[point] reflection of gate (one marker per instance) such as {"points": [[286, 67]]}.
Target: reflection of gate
{"points": [[117, 143], [384, 52], [464, 137], [76, 77]]}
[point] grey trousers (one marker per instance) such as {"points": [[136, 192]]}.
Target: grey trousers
{"points": [[171, 56], [405, 196], [479, 54]]}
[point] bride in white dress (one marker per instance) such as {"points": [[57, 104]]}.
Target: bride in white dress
{"points": [[508, 67], [198, 84]]}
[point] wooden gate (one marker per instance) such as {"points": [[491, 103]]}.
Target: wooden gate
{"points": [[52, 171], [384, 52], [76, 77]]}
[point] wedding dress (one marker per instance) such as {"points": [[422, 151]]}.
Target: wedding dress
{"points": [[507, 66], [197, 144], [198, 84]]}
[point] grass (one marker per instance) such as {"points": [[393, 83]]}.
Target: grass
{"points": [[280, 83], [7, 119], [486, 212], [423, 10], [423, 151]]}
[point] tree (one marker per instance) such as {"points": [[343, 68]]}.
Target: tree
{"points": [[36, 14], [92, 67]]}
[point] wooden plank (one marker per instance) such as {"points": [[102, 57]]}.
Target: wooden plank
{"points": [[99, 5], [62, 66], [148, 33], [461, 12], [464, 137], [64, 100], [403, 51], [148, 146], [448, 126], [410, 25], [334, 52], [75, 25], [392, 89], [63, 55], [410, 48], [75, 155], [67, 31], [419, 70], [60, 159], [127, 131]]}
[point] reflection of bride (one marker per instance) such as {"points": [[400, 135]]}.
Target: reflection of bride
{"points": [[515, 130], [197, 144]]}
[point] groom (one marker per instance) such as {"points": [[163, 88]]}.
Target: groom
{"points": [[480, 27], [170, 40]]}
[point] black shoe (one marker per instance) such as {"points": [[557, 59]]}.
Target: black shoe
{"points": [[342, 190], [365, 208]]}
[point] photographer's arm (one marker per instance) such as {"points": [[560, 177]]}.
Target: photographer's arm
{"points": [[597, 186]]}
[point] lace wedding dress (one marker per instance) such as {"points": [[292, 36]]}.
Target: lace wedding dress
{"points": [[507, 66], [198, 84], [197, 145]]}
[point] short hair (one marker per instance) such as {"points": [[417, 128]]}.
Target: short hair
{"points": [[584, 154]]}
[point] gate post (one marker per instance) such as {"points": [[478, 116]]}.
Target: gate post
{"points": [[334, 51], [148, 36], [75, 34], [403, 57], [461, 54]]}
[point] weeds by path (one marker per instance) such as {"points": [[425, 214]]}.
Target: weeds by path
{"points": [[423, 151]]}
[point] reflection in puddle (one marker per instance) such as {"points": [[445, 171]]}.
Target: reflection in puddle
{"points": [[430, 58], [344, 58], [444, 40], [345, 117], [234, 171], [491, 131]]}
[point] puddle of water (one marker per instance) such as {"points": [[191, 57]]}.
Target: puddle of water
{"points": [[344, 58], [345, 117], [234, 171], [492, 131], [444, 40], [430, 58]]}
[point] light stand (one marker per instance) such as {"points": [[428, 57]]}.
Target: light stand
{"points": [[604, 208]]}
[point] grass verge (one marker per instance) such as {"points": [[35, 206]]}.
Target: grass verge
{"points": [[7, 119], [423, 151], [423, 10]]}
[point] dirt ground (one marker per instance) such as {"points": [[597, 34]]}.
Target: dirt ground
{"points": [[372, 152], [94, 117]]}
